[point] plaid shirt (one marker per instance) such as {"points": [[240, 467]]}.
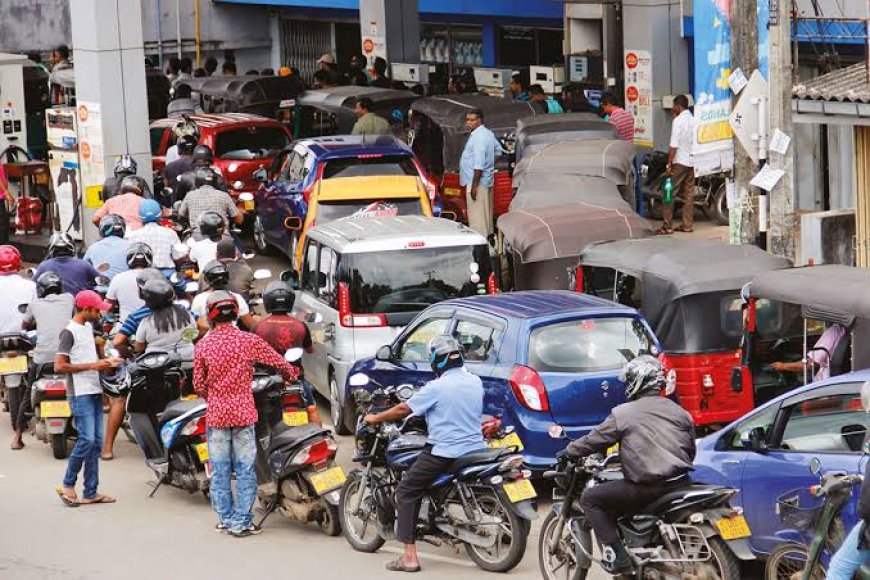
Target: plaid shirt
{"points": [[159, 239], [126, 206], [204, 199]]}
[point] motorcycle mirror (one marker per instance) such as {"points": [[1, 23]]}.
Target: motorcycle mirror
{"points": [[815, 466], [191, 287], [556, 432], [293, 354], [262, 274], [358, 380], [22, 308], [189, 334], [247, 196], [103, 267]]}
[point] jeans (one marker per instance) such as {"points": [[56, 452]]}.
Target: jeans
{"points": [[87, 410], [849, 559], [233, 449]]}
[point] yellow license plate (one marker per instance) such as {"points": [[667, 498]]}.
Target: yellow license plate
{"points": [[249, 205], [511, 440], [452, 191], [328, 480], [613, 449], [520, 490], [733, 528], [295, 418], [202, 451], [13, 364], [50, 409]]}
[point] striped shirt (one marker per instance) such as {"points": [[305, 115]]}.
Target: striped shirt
{"points": [[624, 123]]}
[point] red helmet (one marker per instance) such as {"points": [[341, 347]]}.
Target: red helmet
{"points": [[222, 307], [10, 259]]}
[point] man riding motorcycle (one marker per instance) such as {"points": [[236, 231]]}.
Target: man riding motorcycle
{"points": [[131, 192], [161, 240], [452, 405], [202, 158], [656, 440], [124, 290], [77, 274], [173, 171], [112, 248], [211, 231], [217, 277], [124, 166]]}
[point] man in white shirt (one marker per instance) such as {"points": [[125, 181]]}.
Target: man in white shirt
{"points": [[124, 288], [14, 288], [681, 167], [217, 277]]}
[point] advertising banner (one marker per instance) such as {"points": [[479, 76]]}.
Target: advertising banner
{"points": [[639, 94]]}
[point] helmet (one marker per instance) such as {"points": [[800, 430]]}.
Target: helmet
{"points": [[222, 307], [643, 374], [49, 283], [445, 353], [113, 225], [134, 184], [278, 298], [139, 255], [125, 165], [186, 128], [211, 225], [202, 155], [116, 382], [149, 211], [216, 274], [157, 293], [186, 145], [60, 244], [146, 275], [10, 259], [203, 176]]}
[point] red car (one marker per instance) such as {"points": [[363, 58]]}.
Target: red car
{"points": [[241, 144]]}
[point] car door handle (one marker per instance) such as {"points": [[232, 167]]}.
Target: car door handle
{"points": [[731, 462]]}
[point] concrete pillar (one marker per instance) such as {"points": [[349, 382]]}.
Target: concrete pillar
{"points": [[390, 29], [110, 80]]}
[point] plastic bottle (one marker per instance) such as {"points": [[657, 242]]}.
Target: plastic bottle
{"points": [[668, 189]]}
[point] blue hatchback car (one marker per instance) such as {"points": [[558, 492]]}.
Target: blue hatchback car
{"points": [[545, 357], [766, 454]]}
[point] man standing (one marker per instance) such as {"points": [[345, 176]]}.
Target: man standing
{"points": [[681, 167], [368, 123], [618, 117], [223, 367], [358, 76], [476, 169], [517, 86], [537, 95], [79, 357]]}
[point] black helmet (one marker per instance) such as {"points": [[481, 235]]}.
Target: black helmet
{"points": [[222, 307], [145, 275], [186, 145], [61, 244], [202, 155], [139, 255], [211, 225], [49, 283], [113, 225], [445, 353], [116, 382], [157, 293], [278, 298], [643, 374], [125, 165], [134, 184], [216, 275], [203, 176]]}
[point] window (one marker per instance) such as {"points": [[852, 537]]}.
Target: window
{"points": [[310, 269], [370, 166], [478, 339], [588, 345], [296, 167], [254, 142], [835, 423], [326, 276], [415, 346], [763, 420], [328, 211]]}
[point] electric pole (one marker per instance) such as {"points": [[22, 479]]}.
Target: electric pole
{"points": [[744, 54], [782, 217]]}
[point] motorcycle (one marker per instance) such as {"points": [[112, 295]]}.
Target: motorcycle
{"points": [[686, 533], [483, 502], [52, 414], [14, 347], [296, 469], [814, 511], [710, 190]]}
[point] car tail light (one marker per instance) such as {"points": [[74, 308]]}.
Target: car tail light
{"points": [[491, 284], [529, 388], [316, 453], [578, 279], [349, 319], [370, 156], [195, 427]]}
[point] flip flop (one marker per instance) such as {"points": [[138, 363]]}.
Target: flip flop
{"points": [[107, 457], [68, 501], [685, 230], [18, 447], [398, 566], [99, 498], [663, 231]]}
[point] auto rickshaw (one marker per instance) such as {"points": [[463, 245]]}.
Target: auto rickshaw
{"points": [[814, 321], [691, 295], [330, 111], [542, 130], [267, 96], [438, 137]]}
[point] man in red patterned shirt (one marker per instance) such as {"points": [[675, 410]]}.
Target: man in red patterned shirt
{"points": [[223, 368]]}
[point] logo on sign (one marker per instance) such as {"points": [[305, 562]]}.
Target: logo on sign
{"points": [[83, 113], [631, 94], [631, 60]]}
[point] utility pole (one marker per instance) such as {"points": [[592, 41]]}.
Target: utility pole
{"points": [[744, 54], [782, 218]]}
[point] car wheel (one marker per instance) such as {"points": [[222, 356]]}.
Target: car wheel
{"points": [[336, 409], [260, 242]]}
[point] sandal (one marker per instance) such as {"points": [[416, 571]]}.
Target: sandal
{"points": [[99, 498], [664, 231], [398, 565], [68, 500], [17, 447], [685, 230], [107, 457]]}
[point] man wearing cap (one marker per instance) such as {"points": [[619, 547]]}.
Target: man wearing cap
{"points": [[79, 357], [328, 63]]}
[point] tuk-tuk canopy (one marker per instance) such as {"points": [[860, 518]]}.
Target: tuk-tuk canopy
{"points": [[542, 190], [245, 94], [542, 130], [335, 98], [613, 159]]}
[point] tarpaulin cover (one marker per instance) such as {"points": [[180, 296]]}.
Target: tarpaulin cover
{"points": [[541, 190], [613, 159], [543, 130]]}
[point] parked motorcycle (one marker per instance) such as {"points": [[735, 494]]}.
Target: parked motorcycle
{"points": [[14, 347], [483, 502], [52, 421], [710, 191], [815, 512], [684, 534], [296, 469]]}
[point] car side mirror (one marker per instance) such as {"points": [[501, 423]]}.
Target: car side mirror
{"points": [[753, 440], [291, 278], [293, 223], [384, 354], [260, 175], [737, 379]]}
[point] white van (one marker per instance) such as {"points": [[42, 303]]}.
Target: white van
{"points": [[363, 280]]}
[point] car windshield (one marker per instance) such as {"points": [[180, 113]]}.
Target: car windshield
{"points": [[250, 143], [328, 211], [588, 345], [370, 165], [410, 280]]}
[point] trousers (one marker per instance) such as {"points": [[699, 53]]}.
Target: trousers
{"points": [[413, 487], [87, 411], [233, 450], [480, 210], [684, 187]]}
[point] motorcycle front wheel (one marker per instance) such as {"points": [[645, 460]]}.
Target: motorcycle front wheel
{"points": [[511, 535], [557, 557], [361, 527], [788, 561]]}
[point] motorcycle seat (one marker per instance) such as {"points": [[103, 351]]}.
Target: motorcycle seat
{"points": [[476, 458], [677, 494], [178, 408], [294, 435]]}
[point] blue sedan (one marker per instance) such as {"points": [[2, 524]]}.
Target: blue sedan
{"points": [[545, 357], [767, 453]]}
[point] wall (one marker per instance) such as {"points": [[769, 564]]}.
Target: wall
{"points": [[33, 25]]}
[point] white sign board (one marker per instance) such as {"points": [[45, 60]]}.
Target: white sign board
{"points": [[639, 94], [90, 121], [744, 118]]}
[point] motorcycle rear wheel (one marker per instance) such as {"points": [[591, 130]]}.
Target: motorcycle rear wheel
{"points": [[560, 564], [513, 529], [350, 522], [788, 561], [58, 445]]}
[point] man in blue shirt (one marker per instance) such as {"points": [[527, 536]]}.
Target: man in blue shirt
{"points": [[476, 169], [77, 274], [112, 249], [452, 405]]}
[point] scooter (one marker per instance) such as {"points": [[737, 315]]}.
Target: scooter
{"points": [[296, 469], [710, 191], [14, 347], [52, 421]]}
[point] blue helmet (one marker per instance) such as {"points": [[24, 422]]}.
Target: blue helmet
{"points": [[149, 211]]}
